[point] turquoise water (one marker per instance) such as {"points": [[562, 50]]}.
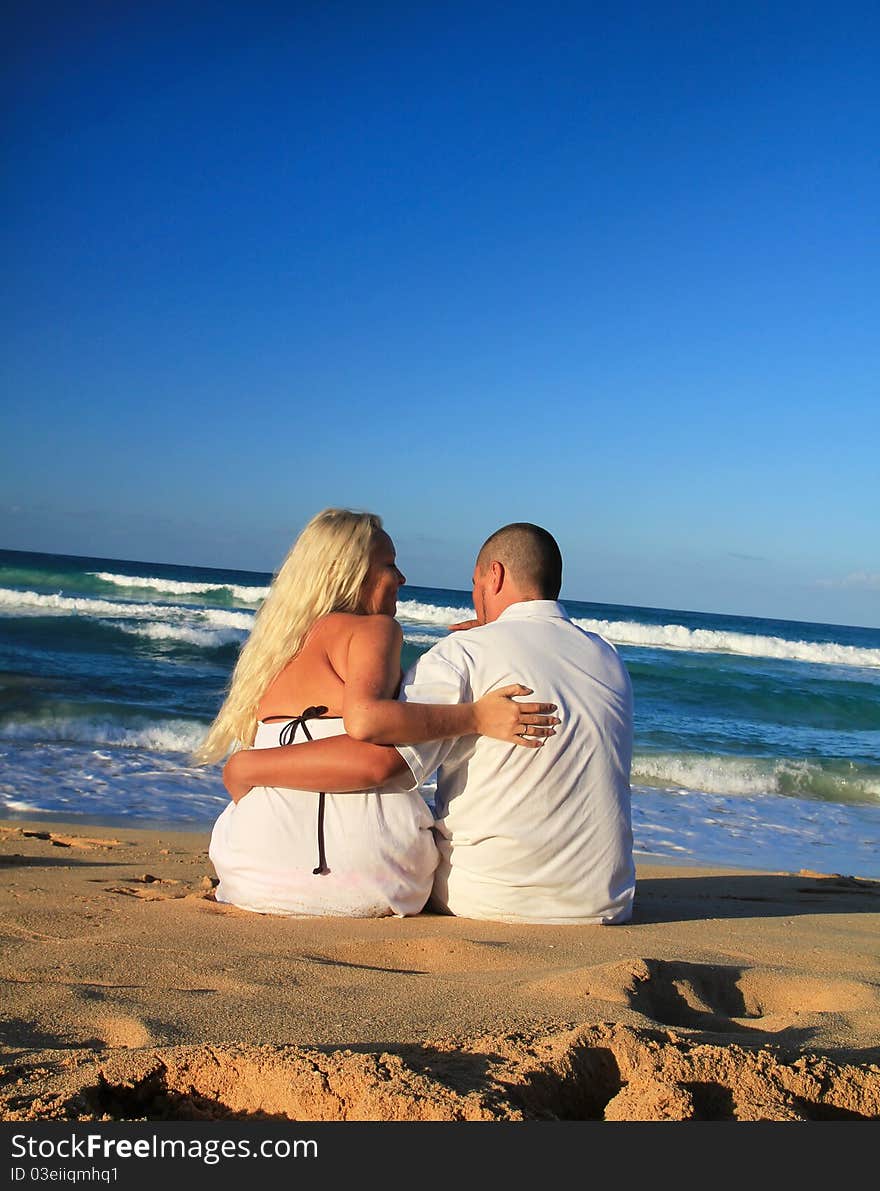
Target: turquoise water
{"points": [[757, 742]]}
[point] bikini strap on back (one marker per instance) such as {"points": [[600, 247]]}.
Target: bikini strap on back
{"points": [[286, 736]]}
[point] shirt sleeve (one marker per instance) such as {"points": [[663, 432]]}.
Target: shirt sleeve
{"points": [[433, 678]]}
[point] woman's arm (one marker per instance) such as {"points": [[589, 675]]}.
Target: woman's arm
{"points": [[371, 713], [373, 719]]}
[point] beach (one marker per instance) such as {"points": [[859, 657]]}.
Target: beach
{"points": [[131, 994], [579, 301], [747, 986]]}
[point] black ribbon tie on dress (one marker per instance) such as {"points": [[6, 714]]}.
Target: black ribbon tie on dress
{"points": [[287, 735]]}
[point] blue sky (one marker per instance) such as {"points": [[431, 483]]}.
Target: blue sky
{"points": [[610, 268]]}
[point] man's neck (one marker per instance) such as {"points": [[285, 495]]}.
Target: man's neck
{"points": [[507, 601]]}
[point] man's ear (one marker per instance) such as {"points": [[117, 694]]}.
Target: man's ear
{"points": [[497, 575]]}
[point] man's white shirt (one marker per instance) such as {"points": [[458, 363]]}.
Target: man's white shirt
{"points": [[531, 835]]}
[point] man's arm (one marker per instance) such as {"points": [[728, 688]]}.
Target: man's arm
{"points": [[337, 765]]}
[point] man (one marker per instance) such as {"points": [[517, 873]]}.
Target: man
{"points": [[525, 835]]}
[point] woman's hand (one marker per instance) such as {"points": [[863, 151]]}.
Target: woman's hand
{"points": [[499, 715]]}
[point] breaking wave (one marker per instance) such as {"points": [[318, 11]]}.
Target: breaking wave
{"points": [[247, 594], [204, 638], [678, 637], [416, 612], [23, 601], [166, 735], [830, 781]]}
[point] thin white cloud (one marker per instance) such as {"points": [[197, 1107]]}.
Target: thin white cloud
{"points": [[860, 580]]}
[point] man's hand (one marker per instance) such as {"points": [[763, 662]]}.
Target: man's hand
{"points": [[463, 624], [234, 779]]}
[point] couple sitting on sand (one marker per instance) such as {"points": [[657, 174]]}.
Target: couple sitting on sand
{"points": [[529, 825]]}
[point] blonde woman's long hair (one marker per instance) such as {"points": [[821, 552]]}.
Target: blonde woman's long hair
{"points": [[323, 572]]}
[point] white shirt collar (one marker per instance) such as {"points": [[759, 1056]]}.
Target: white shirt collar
{"points": [[534, 610]]}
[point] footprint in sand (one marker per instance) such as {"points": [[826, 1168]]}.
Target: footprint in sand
{"points": [[714, 997], [88, 843], [150, 888]]}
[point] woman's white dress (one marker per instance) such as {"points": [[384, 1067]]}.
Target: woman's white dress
{"points": [[379, 849]]}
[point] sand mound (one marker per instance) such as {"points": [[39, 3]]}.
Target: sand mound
{"points": [[594, 1072], [717, 998]]}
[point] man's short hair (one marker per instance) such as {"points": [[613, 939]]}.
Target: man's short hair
{"points": [[529, 553]]}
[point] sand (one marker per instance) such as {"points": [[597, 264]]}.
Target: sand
{"points": [[131, 994]]}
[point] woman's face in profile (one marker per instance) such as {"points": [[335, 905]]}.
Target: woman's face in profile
{"points": [[379, 593]]}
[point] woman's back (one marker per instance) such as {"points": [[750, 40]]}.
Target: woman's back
{"points": [[280, 851], [317, 675]]}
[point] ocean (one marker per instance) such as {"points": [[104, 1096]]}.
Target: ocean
{"points": [[757, 742]]}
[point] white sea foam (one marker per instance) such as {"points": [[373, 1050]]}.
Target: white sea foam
{"points": [[420, 638], [166, 736], [743, 776], [420, 613], [207, 638], [122, 784], [757, 831], [38, 603], [677, 636], [673, 637], [224, 618], [251, 595], [414, 612], [23, 601]]}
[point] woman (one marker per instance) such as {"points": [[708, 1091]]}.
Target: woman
{"points": [[323, 658]]}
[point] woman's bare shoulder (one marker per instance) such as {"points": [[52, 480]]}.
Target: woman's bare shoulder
{"points": [[341, 635], [356, 621], [375, 630], [377, 626], [336, 627]]}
